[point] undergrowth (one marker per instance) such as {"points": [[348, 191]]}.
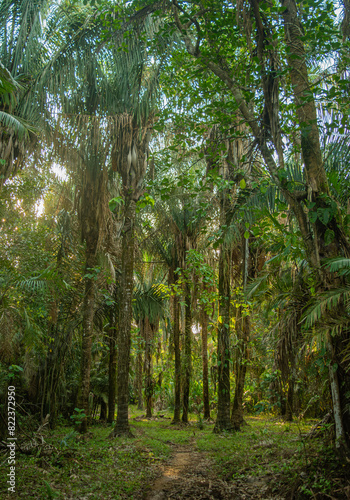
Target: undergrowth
{"points": [[95, 467]]}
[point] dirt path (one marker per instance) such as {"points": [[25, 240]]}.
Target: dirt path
{"points": [[189, 475]]}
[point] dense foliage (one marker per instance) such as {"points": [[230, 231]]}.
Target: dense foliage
{"points": [[174, 211]]}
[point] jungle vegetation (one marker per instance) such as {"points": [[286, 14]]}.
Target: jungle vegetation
{"points": [[174, 213]]}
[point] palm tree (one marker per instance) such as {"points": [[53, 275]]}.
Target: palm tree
{"points": [[23, 56], [148, 305], [168, 251], [102, 109], [227, 166]]}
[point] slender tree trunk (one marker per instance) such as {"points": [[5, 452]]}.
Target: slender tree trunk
{"points": [[112, 369], [103, 412], [148, 367], [139, 370], [290, 398], [340, 434], [176, 330], [243, 335], [206, 402], [125, 318], [243, 330], [87, 327], [223, 421], [188, 354]]}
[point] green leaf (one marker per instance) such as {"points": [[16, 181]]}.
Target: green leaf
{"points": [[328, 236], [114, 202], [246, 235], [242, 184]]}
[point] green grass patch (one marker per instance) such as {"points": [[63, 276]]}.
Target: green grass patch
{"points": [[94, 466]]}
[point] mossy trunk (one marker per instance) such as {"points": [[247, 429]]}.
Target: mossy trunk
{"points": [[223, 421]]}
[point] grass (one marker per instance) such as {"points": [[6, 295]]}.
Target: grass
{"points": [[95, 467]]}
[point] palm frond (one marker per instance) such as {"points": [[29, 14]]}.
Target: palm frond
{"points": [[20, 126], [32, 284], [338, 264], [326, 301]]}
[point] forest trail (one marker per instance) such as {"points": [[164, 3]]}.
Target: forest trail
{"points": [[189, 474]]}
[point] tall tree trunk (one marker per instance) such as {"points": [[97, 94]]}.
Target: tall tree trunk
{"points": [[148, 366], [290, 398], [223, 421], [206, 402], [139, 370], [305, 106], [341, 442], [112, 367], [125, 318], [318, 187], [188, 353], [243, 330], [176, 334], [103, 412], [87, 327], [243, 335]]}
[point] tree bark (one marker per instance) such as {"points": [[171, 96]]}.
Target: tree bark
{"points": [[290, 398], [176, 330], [148, 332], [87, 327], [112, 369], [103, 412], [243, 335], [125, 318], [317, 184], [206, 402], [187, 354], [223, 421], [305, 106], [243, 331], [340, 442], [139, 371]]}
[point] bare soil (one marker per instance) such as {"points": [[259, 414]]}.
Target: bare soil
{"points": [[189, 474]]}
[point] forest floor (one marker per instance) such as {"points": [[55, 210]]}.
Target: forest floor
{"points": [[268, 459]]}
